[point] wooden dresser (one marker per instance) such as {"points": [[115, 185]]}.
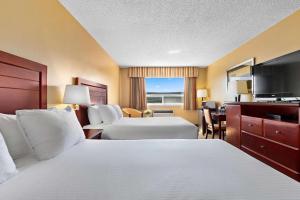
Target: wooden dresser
{"points": [[252, 128]]}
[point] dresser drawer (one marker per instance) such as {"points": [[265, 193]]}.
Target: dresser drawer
{"points": [[283, 132], [252, 125], [253, 143], [284, 155]]}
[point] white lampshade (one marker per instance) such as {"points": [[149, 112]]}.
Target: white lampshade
{"points": [[238, 87], [201, 93], [77, 94]]}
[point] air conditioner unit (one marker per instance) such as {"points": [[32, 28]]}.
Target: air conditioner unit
{"points": [[163, 113]]}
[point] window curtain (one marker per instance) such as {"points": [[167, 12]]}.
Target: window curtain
{"points": [[163, 72], [190, 92], [137, 83], [137, 93]]}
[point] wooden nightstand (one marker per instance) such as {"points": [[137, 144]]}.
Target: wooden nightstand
{"points": [[93, 133]]}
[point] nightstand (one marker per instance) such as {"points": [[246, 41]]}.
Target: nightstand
{"points": [[93, 133]]}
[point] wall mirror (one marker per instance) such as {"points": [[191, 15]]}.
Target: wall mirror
{"points": [[241, 72]]}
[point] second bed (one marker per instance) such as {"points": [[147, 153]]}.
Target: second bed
{"points": [[150, 128]]}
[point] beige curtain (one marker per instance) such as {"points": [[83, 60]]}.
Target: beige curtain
{"points": [[190, 92], [137, 93], [167, 72]]}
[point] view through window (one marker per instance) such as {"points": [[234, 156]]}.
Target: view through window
{"points": [[168, 91]]}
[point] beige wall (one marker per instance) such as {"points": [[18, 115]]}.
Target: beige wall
{"points": [[179, 111], [43, 31], [124, 87], [278, 40]]}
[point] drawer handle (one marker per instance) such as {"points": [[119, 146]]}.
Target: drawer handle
{"points": [[250, 125], [277, 132], [262, 146]]}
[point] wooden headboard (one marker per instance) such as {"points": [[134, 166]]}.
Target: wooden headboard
{"points": [[23, 84], [98, 94]]}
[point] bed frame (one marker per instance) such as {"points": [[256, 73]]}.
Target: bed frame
{"points": [[98, 94], [23, 84]]}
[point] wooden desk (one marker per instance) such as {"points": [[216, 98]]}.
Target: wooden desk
{"points": [[217, 116], [220, 117]]}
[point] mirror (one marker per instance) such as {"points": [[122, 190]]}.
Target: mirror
{"points": [[241, 72]]}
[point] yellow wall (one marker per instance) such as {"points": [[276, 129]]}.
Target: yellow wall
{"points": [[124, 87], [179, 111], [43, 31], [278, 40]]}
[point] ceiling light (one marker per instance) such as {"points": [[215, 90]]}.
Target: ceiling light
{"points": [[174, 51]]}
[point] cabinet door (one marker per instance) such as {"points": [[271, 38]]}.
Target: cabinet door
{"points": [[233, 124]]}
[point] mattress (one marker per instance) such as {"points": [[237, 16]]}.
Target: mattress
{"points": [[150, 170], [150, 128]]}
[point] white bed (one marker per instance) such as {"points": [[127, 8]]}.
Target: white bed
{"points": [[150, 128], [149, 169]]}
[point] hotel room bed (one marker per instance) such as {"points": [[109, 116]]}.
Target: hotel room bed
{"points": [[150, 128], [149, 169]]}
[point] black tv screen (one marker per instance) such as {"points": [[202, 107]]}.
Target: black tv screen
{"points": [[278, 78]]}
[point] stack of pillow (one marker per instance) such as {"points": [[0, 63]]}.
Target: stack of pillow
{"points": [[45, 133], [104, 114]]}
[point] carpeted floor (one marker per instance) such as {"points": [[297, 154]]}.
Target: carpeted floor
{"points": [[201, 136]]}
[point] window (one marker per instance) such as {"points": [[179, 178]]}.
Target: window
{"points": [[164, 91]]}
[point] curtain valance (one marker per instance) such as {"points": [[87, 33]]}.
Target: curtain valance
{"points": [[160, 72]]}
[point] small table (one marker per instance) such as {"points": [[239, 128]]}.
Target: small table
{"points": [[93, 133], [220, 117]]}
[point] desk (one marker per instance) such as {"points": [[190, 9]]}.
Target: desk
{"points": [[216, 115], [219, 117]]}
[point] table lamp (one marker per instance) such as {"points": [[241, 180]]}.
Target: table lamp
{"points": [[238, 87], [77, 95], [202, 93]]}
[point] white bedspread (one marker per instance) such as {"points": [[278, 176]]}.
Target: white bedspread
{"points": [[150, 170], [150, 128]]}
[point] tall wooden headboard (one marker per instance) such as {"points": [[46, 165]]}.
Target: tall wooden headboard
{"points": [[98, 94], [23, 84]]}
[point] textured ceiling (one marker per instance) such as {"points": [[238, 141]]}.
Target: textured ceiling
{"points": [[175, 32]]}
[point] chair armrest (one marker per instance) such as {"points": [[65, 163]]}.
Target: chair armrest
{"points": [[132, 112], [126, 112]]}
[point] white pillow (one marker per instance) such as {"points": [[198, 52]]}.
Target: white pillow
{"points": [[108, 113], [13, 136], [7, 165], [50, 132], [118, 111], [94, 115]]}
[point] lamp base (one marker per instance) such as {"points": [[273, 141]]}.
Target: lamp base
{"points": [[238, 98], [72, 107]]}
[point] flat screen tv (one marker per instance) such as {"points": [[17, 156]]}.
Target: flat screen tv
{"points": [[277, 78]]}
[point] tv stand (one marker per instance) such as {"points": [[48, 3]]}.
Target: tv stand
{"points": [[268, 132]]}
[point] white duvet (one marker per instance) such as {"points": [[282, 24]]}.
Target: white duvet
{"points": [[150, 170], [150, 128]]}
